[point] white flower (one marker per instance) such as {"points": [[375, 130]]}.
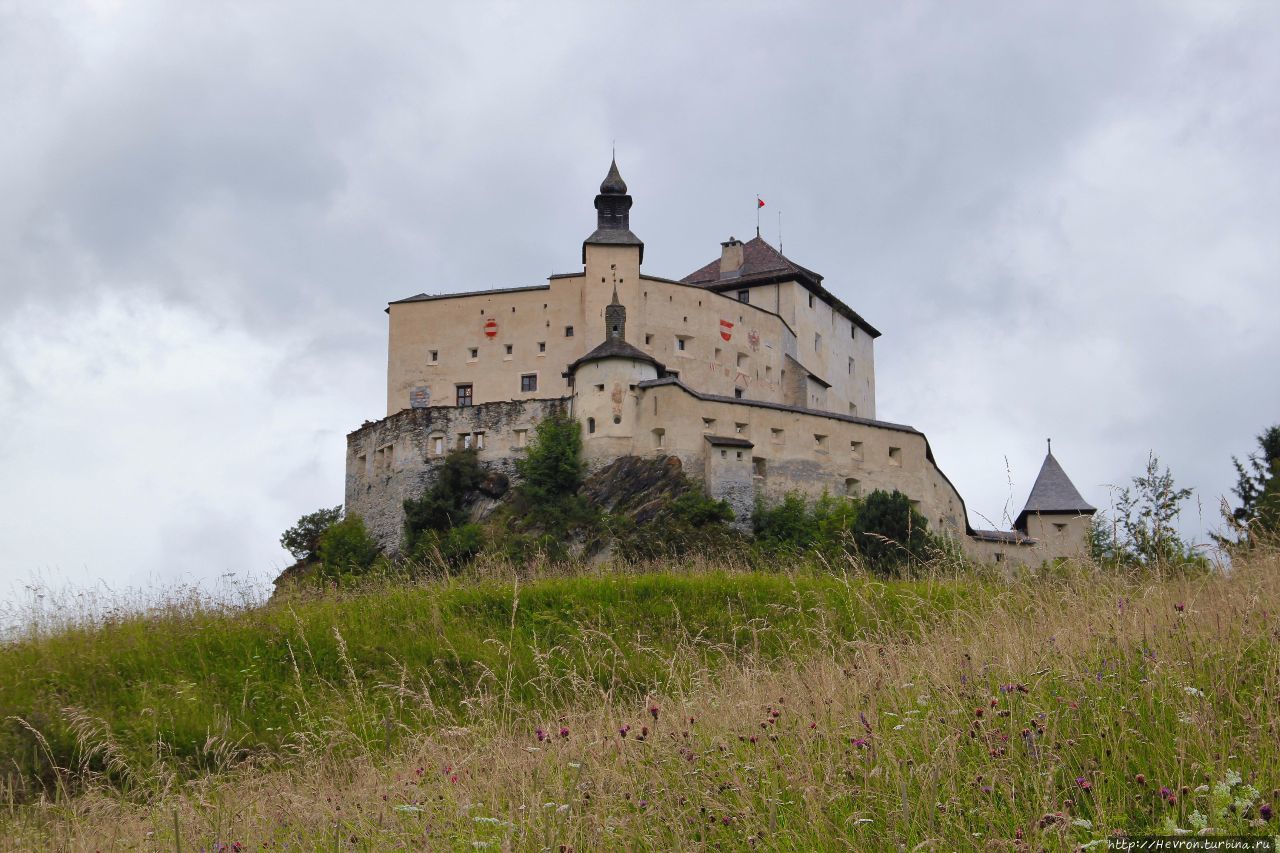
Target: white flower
{"points": [[1193, 691]]}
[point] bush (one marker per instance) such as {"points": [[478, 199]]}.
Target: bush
{"points": [[303, 539], [452, 547], [445, 505], [550, 476], [691, 523], [347, 548], [823, 529], [890, 534]]}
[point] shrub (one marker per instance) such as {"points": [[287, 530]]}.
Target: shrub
{"points": [[445, 504], [890, 534], [551, 474], [452, 547], [303, 539], [347, 548], [552, 466], [823, 529]]}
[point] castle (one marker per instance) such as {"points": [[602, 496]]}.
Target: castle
{"points": [[748, 370]]}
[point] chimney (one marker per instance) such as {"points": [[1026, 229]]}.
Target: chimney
{"points": [[730, 257]]}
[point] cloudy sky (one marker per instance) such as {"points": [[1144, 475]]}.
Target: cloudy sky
{"points": [[1065, 218]]}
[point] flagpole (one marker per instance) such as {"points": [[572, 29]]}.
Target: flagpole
{"points": [[757, 215], [779, 232]]}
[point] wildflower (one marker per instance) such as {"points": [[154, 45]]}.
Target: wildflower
{"points": [[860, 742], [865, 724], [1140, 779], [977, 712], [643, 804], [994, 702], [1264, 811], [623, 731], [653, 711], [1180, 607], [454, 778], [541, 733], [693, 720], [564, 731], [1084, 783], [813, 725], [726, 820], [644, 732], [1165, 793], [986, 789]]}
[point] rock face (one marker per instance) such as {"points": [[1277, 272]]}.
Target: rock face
{"points": [[637, 487]]}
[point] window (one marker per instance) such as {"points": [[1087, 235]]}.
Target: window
{"points": [[522, 437], [744, 296], [473, 353], [851, 487], [528, 382], [568, 331], [853, 331], [437, 445], [708, 424], [680, 343], [1061, 528], [768, 373], [817, 341], [742, 360], [599, 386], [999, 557], [850, 366], [737, 392], [433, 357], [820, 442], [810, 300], [479, 436], [464, 441], [464, 395], [719, 352], [542, 346], [648, 339], [777, 436], [739, 454], [508, 349], [724, 454], [757, 467], [591, 425], [853, 409], [659, 437], [855, 449], [740, 428], [895, 456]]}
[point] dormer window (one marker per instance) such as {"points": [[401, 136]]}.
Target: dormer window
{"points": [[744, 296]]}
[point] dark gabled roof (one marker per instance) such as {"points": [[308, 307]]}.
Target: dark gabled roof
{"points": [[728, 441], [613, 237], [762, 264], [616, 349], [427, 297], [1053, 494], [758, 259], [1012, 537]]}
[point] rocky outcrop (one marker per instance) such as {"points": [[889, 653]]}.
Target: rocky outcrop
{"points": [[637, 487]]}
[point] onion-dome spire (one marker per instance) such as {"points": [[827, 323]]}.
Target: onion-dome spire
{"points": [[613, 183], [613, 215]]}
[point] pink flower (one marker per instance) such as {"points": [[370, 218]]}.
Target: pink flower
{"points": [[564, 731], [541, 733], [1084, 783], [653, 711]]}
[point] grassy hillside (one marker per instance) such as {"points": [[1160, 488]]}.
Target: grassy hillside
{"points": [[671, 710]]}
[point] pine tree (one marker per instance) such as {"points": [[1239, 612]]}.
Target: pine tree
{"points": [[1257, 519]]}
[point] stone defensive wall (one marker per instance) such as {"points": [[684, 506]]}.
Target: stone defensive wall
{"points": [[396, 458]]}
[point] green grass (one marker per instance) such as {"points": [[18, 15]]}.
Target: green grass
{"points": [[188, 691], [700, 710]]}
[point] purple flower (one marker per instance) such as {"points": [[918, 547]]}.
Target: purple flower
{"points": [[1165, 793], [541, 733], [1264, 811], [564, 731], [653, 711], [1084, 783], [623, 731]]}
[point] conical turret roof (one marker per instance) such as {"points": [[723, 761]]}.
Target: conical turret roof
{"points": [[613, 183], [1053, 494]]}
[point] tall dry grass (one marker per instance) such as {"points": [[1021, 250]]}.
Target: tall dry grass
{"points": [[1048, 712]]}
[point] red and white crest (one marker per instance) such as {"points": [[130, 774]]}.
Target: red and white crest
{"points": [[726, 329], [491, 328], [753, 338]]}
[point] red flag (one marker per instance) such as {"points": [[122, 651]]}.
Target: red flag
{"points": [[759, 202]]}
